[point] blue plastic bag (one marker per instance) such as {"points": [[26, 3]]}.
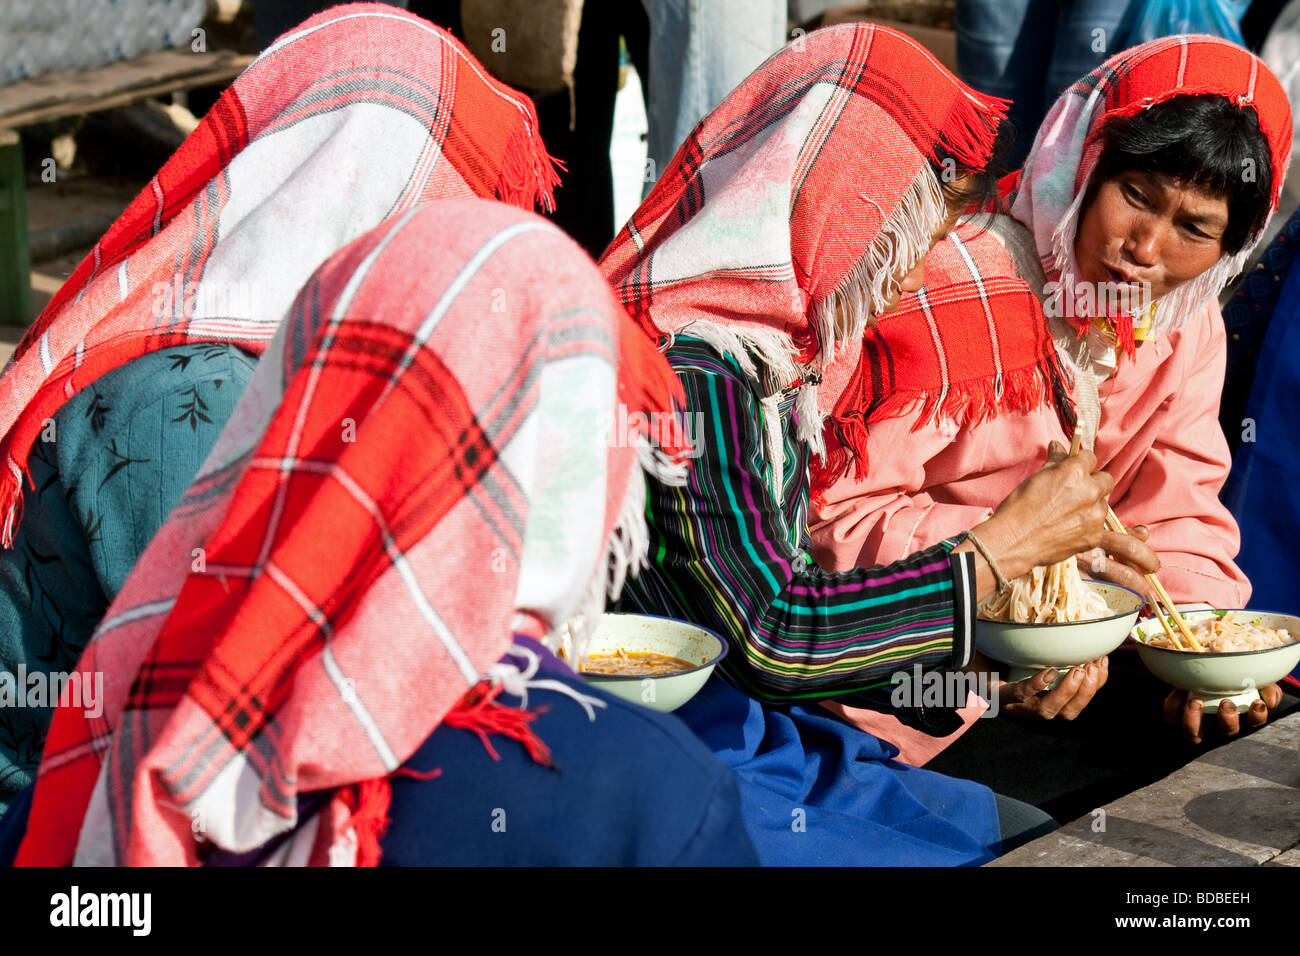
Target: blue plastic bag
{"points": [[1162, 18]]}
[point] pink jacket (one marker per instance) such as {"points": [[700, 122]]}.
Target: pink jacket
{"points": [[1159, 439]]}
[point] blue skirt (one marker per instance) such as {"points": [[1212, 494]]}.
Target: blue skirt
{"points": [[815, 791]]}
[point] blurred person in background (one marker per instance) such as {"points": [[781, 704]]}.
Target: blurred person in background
{"points": [[1028, 51]]}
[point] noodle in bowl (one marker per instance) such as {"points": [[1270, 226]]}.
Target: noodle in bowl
{"points": [[1031, 646], [1243, 650], [1055, 594]]}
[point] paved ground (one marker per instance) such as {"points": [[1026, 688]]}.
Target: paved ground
{"points": [[1238, 805]]}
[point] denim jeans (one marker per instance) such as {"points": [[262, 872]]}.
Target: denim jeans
{"points": [[1030, 50], [700, 50]]}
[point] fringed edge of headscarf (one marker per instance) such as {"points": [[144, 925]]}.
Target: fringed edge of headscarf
{"points": [[629, 539], [647, 384], [964, 403], [842, 316], [970, 131], [777, 356], [477, 711], [901, 243], [529, 174], [626, 553]]}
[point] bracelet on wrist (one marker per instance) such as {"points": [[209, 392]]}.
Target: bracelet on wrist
{"points": [[1003, 583]]}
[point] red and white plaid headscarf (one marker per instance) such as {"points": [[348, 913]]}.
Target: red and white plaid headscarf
{"points": [[420, 467], [1049, 192], [355, 116], [781, 223], [971, 344], [976, 341]]}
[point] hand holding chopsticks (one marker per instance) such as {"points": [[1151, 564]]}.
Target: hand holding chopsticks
{"points": [[1162, 596]]}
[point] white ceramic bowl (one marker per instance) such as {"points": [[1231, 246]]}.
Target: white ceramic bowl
{"points": [[1216, 677], [1030, 648], [642, 633]]}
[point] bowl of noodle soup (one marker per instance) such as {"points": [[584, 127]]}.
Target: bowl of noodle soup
{"points": [[1243, 650], [1053, 617], [653, 661]]}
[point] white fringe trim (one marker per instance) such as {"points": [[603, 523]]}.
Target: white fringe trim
{"points": [[659, 465], [901, 243], [626, 554], [774, 350], [810, 420], [866, 290], [629, 540], [517, 682]]}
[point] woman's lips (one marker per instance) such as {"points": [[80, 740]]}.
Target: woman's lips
{"points": [[1119, 278]]}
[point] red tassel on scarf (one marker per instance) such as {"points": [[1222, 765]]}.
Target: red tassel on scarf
{"points": [[528, 172], [1122, 324], [477, 711]]}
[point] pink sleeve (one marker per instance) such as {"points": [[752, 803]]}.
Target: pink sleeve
{"points": [[890, 513], [1175, 489]]}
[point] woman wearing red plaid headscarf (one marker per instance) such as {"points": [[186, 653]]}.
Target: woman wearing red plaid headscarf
{"points": [[415, 499], [115, 395], [1149, 185], [792, 217]]}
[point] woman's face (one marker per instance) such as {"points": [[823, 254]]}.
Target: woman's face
{"points": [[913, 281], [1148, 234]]}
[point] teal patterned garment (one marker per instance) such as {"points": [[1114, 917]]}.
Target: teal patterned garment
{"points": [[124, 450]]}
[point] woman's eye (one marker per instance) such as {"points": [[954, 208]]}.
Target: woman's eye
{"points": [[1133, 195]]}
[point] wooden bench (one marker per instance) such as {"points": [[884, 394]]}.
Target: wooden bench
{"points": [[54, 96], [1236, 805]]}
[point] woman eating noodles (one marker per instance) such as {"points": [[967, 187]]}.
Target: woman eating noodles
{"points": [[117, 392], [407, 510], [792, 216], [1148, 186]]}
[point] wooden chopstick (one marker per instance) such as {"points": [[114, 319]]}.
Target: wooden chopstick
{"points": [[1117, 526], [1077, 441], [1113, 522]]}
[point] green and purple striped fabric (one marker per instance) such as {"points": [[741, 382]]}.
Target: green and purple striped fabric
{"points": [[725, 555]]}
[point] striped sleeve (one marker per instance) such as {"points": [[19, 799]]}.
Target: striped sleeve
{"points": [[721, 556]]}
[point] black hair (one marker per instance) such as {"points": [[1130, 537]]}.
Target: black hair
{"points": [[1203, 141], [978, 188]]}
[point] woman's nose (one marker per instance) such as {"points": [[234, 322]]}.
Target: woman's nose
{"points": [[914, 280], [1143, 243]]}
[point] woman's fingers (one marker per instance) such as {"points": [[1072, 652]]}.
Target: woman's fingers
{"points": [[1272, 695], [1256, 715], [1174, 705], [1229, 720], [1132, 550], [1108, 569], [1066, 700], [1093, 678], [1030, 687], [1192, 714]]}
